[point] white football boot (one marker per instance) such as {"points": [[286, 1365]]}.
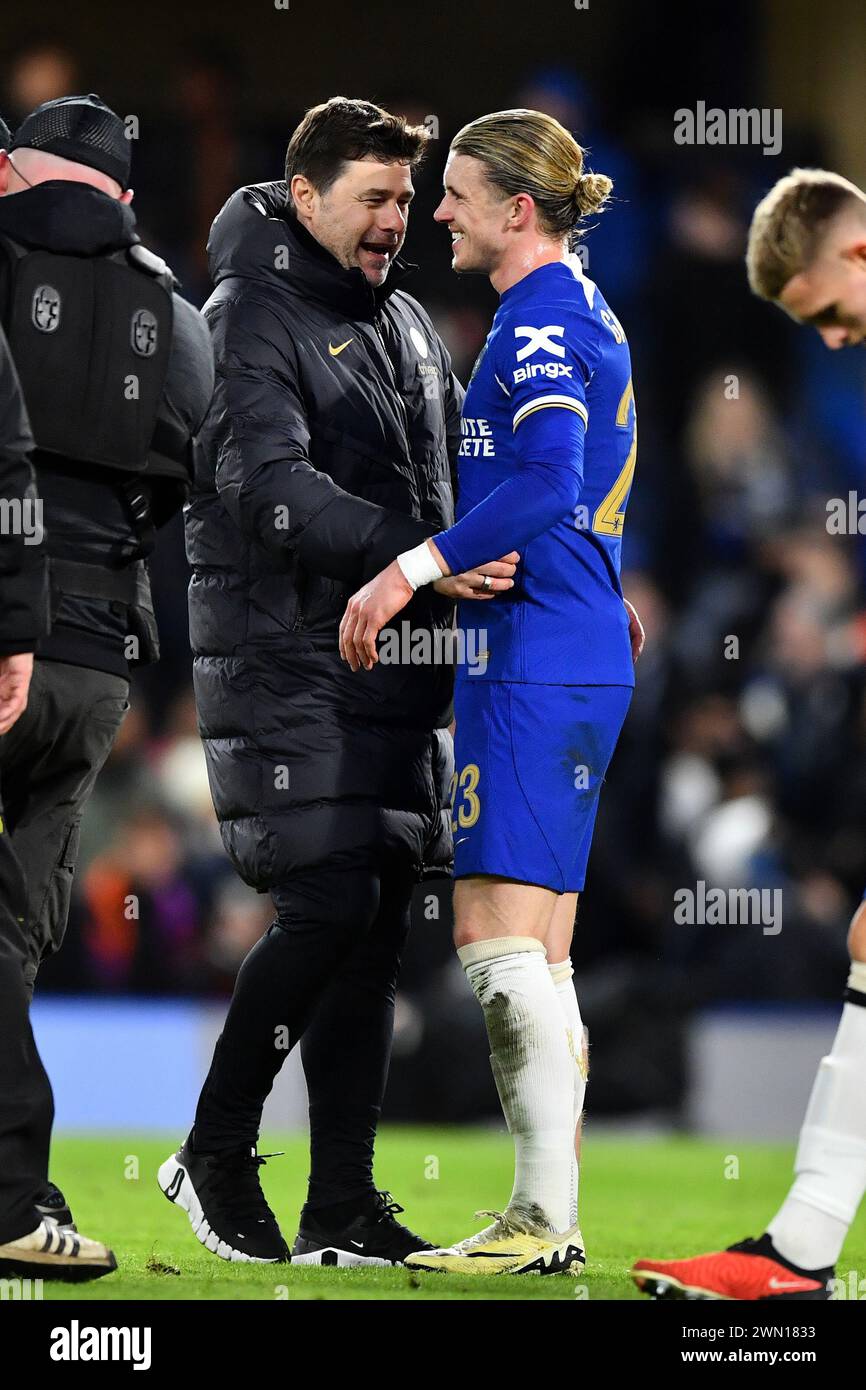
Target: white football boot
{"points": [[512, 1245]]}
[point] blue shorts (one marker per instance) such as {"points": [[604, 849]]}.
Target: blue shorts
{"points": [[530, 762]]}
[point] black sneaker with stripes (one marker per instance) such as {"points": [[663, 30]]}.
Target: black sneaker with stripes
{"points": [[222, 1195], [373, 1237]]}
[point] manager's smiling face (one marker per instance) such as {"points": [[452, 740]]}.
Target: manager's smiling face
{"points": [[361, 218]]}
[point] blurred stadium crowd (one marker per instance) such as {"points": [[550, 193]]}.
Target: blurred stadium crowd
{"points": [[743, 761]]}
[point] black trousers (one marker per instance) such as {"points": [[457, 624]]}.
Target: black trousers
{"points": [[325, 974], [26, 1103], [49, 762]]}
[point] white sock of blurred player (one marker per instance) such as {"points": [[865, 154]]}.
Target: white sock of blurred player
{"points": [[811, 1225], [533, 1069], [562, 975]]}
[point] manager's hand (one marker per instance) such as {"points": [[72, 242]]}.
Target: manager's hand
{"points": [[368, 611], [15, 673], [372, 607]]}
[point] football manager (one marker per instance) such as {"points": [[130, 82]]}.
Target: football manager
{"points": [[328, 451]]}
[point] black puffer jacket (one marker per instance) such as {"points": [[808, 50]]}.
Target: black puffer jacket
{"points": [[327, 451]]}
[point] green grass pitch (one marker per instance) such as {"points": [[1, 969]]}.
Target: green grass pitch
{"points": [[663, 1198]]}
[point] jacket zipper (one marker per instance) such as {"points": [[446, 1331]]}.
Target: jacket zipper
{"points": [[404, 420], [404, 414], [300, 590]]}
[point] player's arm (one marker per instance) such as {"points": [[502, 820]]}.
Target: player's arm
{"points": [[492, 577], [549, 418]]}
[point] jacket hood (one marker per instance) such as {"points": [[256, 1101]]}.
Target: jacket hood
{"points": [[69, 218], [254, 237]]}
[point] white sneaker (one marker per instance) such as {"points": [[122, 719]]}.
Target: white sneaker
{"points": [[509, 1246]]}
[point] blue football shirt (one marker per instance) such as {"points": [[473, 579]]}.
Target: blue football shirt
{"points": [[545, 467]]}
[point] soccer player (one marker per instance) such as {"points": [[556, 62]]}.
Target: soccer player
{"points": [[327, 451], [806, 253], [545, 470]]}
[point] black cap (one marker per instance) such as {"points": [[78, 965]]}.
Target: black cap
{"points": [[82, 129]]}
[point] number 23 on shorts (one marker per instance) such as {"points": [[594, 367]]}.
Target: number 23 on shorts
{"points": [[465, 801]]}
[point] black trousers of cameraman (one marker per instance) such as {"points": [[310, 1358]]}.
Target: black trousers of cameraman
{"points": [[26, 1102], [324, 974], [49, 762]]}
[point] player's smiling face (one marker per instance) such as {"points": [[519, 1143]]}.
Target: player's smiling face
{"points": [[361, 219], [831, 294], [473, 212]]}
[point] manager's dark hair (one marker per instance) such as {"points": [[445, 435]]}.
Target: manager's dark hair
{"points": [[343, 129]]}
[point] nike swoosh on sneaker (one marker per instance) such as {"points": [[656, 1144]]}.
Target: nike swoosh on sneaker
{"points": [[775, 1283]]}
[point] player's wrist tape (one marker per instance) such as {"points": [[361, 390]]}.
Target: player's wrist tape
{"points": [[419, 566], [857, 977]]}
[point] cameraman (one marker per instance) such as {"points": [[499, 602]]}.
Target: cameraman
{"points": [[117, 374], [29, 1245]]}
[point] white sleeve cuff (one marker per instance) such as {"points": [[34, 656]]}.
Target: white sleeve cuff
{"points": [[419, 566]]}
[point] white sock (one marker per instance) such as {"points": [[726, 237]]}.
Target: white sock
{"points": [[533, 1071], [811, 1225], [562, 975]]}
